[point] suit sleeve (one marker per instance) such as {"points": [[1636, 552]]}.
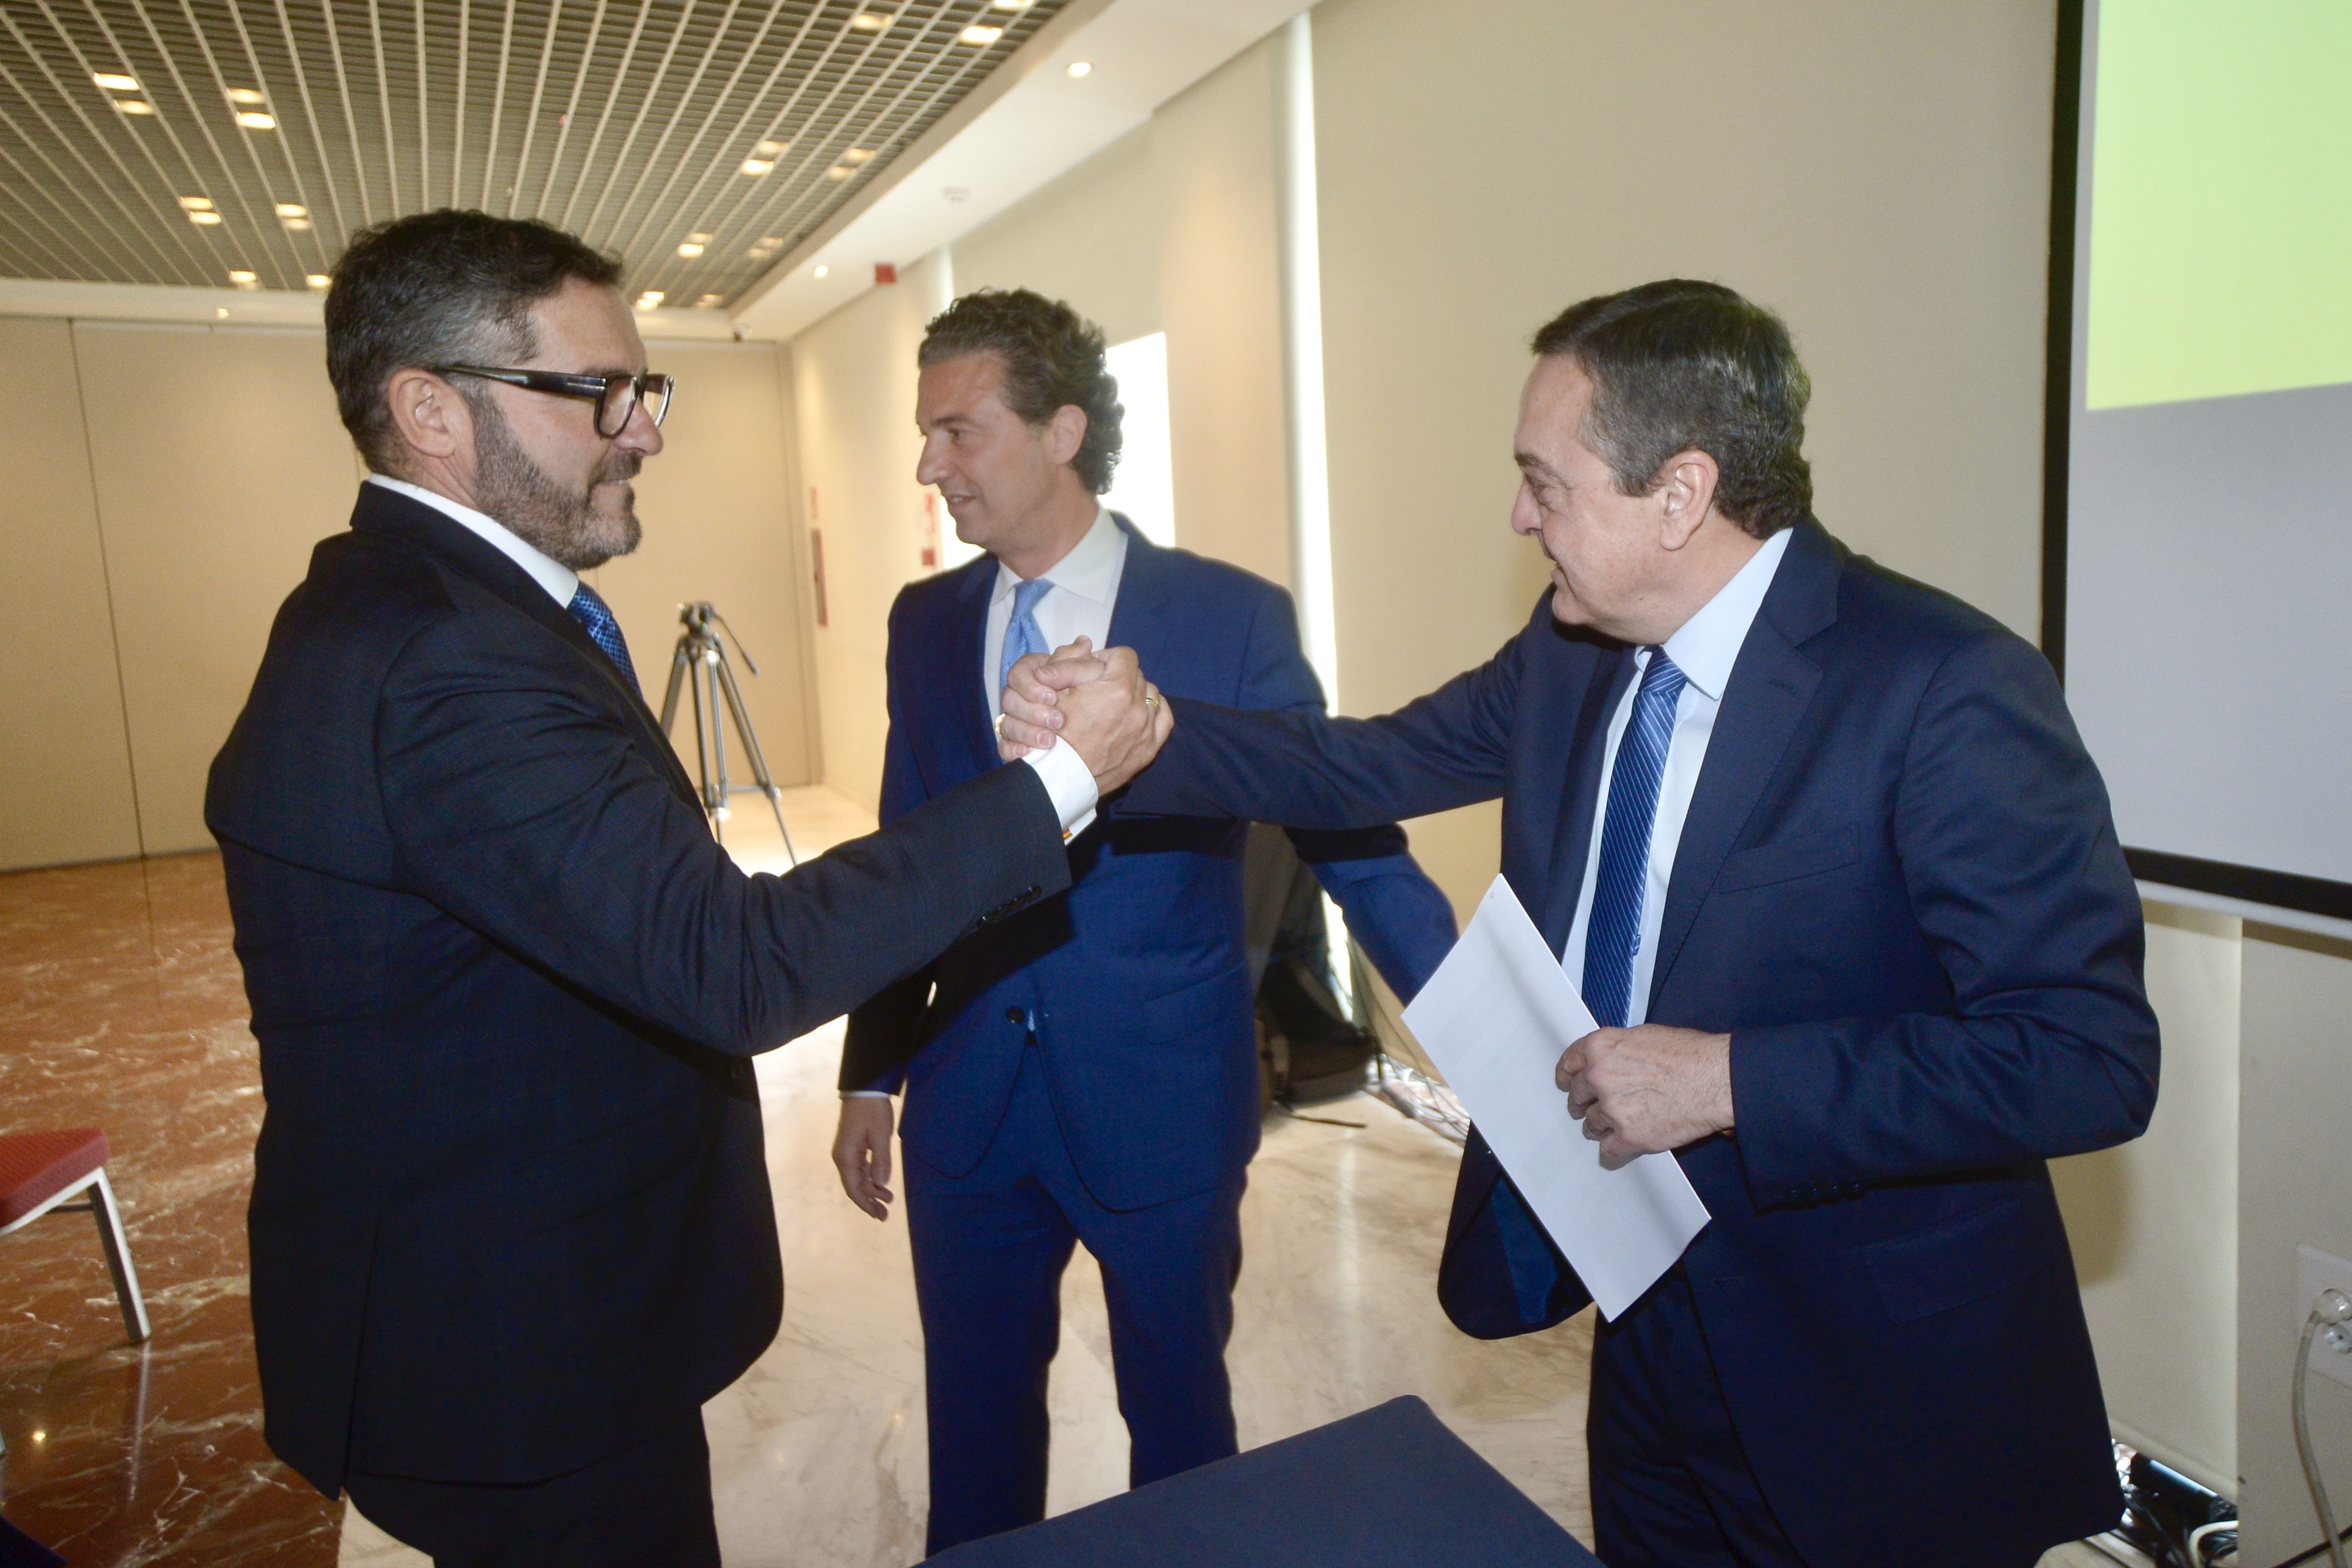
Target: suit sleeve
{"points": [[2007, 843], [1405, 923], [885, 1030], [1303, 770], [527, 810]]}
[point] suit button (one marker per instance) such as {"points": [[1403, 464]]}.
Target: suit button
{"points": [[1033, 891], [1014, 1015]]}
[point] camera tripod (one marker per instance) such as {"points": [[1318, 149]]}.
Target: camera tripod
{"points": [[700, 664]]}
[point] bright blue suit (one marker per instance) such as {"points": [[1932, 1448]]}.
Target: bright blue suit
{"points": [[1898, 889], [1088, 1070]]}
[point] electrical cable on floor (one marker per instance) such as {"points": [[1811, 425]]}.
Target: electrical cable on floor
{"points": [[2329, 1314]]}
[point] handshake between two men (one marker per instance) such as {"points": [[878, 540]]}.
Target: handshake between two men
{"points": [[1637, 1091]]}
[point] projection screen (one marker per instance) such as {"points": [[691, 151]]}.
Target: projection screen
{"points": [[2199, 568]]}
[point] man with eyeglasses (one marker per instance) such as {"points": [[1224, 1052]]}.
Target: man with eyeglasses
{"points": [[510, 1222]]}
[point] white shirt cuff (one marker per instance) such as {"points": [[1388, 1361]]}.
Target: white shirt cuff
{"points": [[865, 1094], [1070, 783]]}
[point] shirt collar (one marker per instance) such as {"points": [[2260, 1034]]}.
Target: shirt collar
{"points": [[1708, 644], [559, 580], [1091, 568]]}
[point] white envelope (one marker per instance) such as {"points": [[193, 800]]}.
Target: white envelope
{"points": [[1495, 1019]]}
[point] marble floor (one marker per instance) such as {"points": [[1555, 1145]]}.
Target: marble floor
{"points": [[120, 1006]]}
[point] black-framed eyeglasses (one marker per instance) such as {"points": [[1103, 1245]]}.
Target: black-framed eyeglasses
{"points": [[615, 397]]}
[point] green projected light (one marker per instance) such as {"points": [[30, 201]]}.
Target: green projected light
{"points": [[2220, 199]]}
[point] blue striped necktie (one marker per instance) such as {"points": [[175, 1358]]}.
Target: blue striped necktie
{"points": [[1613, 935], [1021, 633], [594, 614]]}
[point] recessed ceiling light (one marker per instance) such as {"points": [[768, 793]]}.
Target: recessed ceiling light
{"points": [[857, 155], [292, 210], [769, 149], [249, 96], [205, 218], [836, 173], [769, 241], [317, 279], [1009, 5], [699, 237], [220, 312], [689, 250], [871, 21], [1081, 69], [650, 298], [241, 278], [707, 300], [299, 225], [821, 270], [980, 34], [196, 204], [134, 105], [254, 119], [115, 81], [758, 168]]}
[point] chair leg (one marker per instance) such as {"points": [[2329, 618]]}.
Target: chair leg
{"points": [[118, 1258]]}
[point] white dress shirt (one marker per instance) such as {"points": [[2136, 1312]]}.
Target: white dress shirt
{"points": [[1705, 649], [560, 580]]}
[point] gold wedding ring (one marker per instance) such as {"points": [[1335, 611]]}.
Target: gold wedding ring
{"points": [[1151, 699]]}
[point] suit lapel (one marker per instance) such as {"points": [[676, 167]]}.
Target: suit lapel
{"points": [[399, 517], [1773, 683], [1140, 617], [962, 647], [1580, 794]]}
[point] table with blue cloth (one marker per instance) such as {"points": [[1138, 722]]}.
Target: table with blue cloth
{"points": [[1389, 1487]]}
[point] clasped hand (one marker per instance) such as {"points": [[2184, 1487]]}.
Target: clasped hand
{"points": [[1644, 1090], [1098, 703]]}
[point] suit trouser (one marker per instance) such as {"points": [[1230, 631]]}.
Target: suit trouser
{"points": [[990, 1249], [1671, 1483], [647, 1506]]}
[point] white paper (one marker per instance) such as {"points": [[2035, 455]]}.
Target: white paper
{"points": [[1495, 1019]]}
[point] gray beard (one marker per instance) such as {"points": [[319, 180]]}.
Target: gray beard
{"points": [[561, 524]]}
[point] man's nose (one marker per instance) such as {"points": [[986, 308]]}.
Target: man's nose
{"points": [[929, 468], [1524, 520], [639, 434]]}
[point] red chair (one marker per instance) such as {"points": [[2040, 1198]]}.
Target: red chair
{"points": [[40, 1171]]}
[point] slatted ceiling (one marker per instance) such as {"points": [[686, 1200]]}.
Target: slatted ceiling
{"points": [[626, 120]]}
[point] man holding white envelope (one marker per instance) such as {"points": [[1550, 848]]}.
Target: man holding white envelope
{"points": [[1820, 851]]}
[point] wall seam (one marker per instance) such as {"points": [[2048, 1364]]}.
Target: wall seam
{"points": [[106, 576]]}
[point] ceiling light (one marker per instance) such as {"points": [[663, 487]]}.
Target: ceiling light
{"points": [[318, 281], [292, 210], [206, 218], [769, 149], [220, 312], [196, 204], [1081, 69], [689, 250], [650, 298], [980, 34], [1009, 5], [698, 237], [254, 119], [758, 168], [299, 225], [769, 241], [857, 155], [134, 105], [242, 278], [871, 21], [115, 81], [821, 270], [707, 300], [249, 95], [836, 173]]}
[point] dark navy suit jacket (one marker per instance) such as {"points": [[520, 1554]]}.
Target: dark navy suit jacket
{"points": [[1137, 980], [1899, 890], [510, 1206]]}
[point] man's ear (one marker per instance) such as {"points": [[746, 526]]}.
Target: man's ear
{"points": [[433, 420], [1686, 496], [1065, 432]]}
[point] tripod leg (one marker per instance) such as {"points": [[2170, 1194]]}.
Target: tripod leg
{"points": [[723, 792], [676, 673], [758, 758], [702, 726]]}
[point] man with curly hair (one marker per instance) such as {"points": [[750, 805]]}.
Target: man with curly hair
{"points": [[1087, 1071]]}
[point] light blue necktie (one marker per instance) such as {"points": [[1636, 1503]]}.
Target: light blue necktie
{"points": [[1613, 935], [1021, 633], [594, 614]]}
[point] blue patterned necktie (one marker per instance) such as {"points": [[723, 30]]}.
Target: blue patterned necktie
{"points": [[604, 631], [1612, 937], [1021, 633]]}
